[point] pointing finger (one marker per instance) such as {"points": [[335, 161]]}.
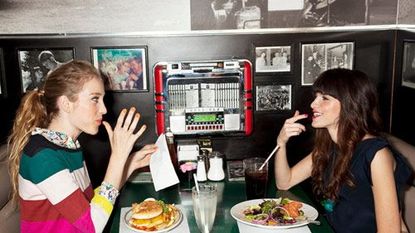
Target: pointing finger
{"points": [[297, 116]]}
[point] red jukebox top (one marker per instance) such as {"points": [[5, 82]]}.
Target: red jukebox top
{"points": [[206, 97]]}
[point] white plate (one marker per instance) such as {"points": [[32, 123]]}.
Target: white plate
{"points": [[175, 223], [237, 213]]}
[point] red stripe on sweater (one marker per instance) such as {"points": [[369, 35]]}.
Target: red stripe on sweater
{"points": [[71, 208]]}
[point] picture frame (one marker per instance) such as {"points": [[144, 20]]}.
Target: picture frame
{"points": [[36, 63], [269, 59], [408, 64], [123, 68], [319, 57], [3, 92], [273, 97]]}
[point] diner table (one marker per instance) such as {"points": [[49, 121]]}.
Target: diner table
{"points": [[230, 193]]}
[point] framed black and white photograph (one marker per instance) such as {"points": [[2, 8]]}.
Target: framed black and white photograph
{"points": [[317, 58], [273, 59], [258, 14], [273, 97], [227, 14], [408, 65], [125, 68], [2, 75], [36, 64]]}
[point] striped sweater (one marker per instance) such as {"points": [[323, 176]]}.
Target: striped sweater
{"points": [[55, 190]]}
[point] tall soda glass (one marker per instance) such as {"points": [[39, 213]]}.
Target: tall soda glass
{"points": [[255, 179], [204, 206]]}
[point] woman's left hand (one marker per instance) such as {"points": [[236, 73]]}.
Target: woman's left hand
{"points": [[122, 137], [140, 158]]}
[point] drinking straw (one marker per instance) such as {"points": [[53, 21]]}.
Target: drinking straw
{"points": [[269, 156], [196, 183]]}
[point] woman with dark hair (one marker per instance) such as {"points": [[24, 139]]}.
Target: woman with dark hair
{"points": [[354, 171], [50, 180]]}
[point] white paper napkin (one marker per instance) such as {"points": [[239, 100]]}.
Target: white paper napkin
{"points": [[161, 167], [183, 227], [245, 228]]}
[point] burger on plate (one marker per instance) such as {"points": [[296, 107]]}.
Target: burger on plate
{"points": [[152, 215]]}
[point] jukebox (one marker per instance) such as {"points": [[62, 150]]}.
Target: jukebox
{"points": [[204, 98]]}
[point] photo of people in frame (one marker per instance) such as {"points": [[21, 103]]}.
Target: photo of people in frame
{"points": [[317, 58], [340, 55], [408, 66], [123, 68], [36, 64], [273, 59], [1, 73], [259, 14], [227, 14], [273, 97]]}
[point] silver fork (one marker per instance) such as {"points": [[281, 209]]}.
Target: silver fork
{"points": [[316, 222]]}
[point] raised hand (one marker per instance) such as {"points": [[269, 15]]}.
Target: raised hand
{"points": [[122, 138], [291, 128]]}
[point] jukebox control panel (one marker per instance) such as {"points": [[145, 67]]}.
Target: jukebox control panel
{"points": [[206, 97]]}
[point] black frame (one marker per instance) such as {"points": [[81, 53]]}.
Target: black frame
{"points": [[142, 49], [322, 49], [58, 52], [264, 84], [269, 50], [3, 89], [408, 57]]}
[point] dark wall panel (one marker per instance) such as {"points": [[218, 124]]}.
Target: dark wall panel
{"points": [[373, 55], [403, 124]]}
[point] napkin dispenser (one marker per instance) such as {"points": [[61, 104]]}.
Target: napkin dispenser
{"points": [[187, 151]]}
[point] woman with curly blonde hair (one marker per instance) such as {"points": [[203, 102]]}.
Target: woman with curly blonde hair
{"points": [[49, 176]]}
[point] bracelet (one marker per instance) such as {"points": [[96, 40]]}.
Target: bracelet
{"points": [[108, 191]]}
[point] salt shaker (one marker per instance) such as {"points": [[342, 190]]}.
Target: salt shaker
{"points": [[216, 172], [201, 169]]}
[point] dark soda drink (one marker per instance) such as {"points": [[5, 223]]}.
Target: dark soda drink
{"points": [[256, 184]]}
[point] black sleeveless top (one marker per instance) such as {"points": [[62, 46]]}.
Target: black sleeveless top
{"points": [[354, 210]]}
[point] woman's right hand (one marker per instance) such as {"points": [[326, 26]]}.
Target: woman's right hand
{"points": [[291, 128]]}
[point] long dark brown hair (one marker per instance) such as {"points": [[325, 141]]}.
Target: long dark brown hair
{"points": [[39, 107], [358, 116]]}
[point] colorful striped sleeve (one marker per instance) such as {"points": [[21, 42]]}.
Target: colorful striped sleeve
{"points": [[57, 183]]}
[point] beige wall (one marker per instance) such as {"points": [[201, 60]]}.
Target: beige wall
{"points": [[112, 16], [93, 16]]}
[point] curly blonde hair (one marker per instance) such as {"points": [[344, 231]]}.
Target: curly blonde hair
{"points": [[39, 107]]}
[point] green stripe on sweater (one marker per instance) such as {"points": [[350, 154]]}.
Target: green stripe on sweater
{"points": [[47, 162]]}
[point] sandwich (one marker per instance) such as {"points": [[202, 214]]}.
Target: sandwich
{"points": [[152, 215]]}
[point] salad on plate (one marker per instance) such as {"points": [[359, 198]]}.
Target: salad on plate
{"points": [[274, 212]]}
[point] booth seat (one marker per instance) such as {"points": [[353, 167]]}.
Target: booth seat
{"points": [[409, 197], [9, 216]]}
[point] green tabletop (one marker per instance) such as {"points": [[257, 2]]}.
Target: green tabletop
{"points": [[230, 193]]}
